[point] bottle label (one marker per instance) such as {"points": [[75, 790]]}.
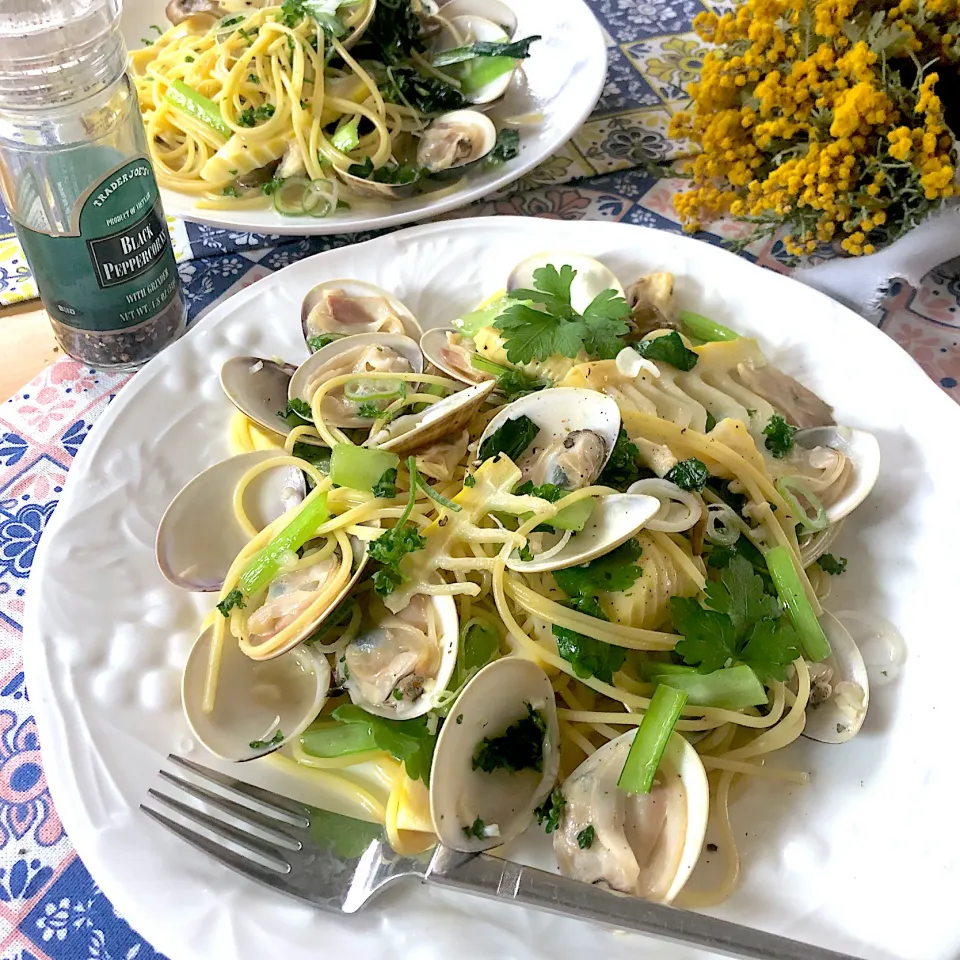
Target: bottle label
{"points": [[115, 269]]}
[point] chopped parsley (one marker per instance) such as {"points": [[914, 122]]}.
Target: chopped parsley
{"points": [[514, 383], [252, 116], [233, 599], [395, 174], [391, 547], [189, 59], [297, 413], [625, 465], [549, 812], [506, 148], [828, 563], [476, 829], [519, 747], [322, 340], [668, 348], [510, 439], [253, 78], [779, 436], [405, 85], [469, 480], [275, 740], [689, 474], [370, 410], [551, 327], [613, 572], [546, 491], [231, 192], [268, 189], [739, 622], [585, 837], [386, 486], [409, 741]]}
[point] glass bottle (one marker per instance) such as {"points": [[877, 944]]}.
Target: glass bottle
{"points": [[76, 178]]}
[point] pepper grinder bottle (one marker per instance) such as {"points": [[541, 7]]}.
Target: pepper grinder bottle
{"points": [[77, 181]]}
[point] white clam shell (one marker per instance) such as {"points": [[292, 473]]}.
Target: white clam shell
{"points": [[309, 375], [258, 389], [592, 276], [433, 344], [863, 451], [354, 288], [689, 809], [357, 31], [199, 535], [492, 10], [828, 722], [493, 700], [483, 138], [253, 699], [614, 520]]}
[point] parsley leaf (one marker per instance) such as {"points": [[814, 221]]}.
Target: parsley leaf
{"points": [[476, 829], [396, 174], [519, 747], [689, 474], [510, 439], [549, 812], [369, 409], [514, 383], [709, 640], [779, 436], [586, 836], [252, 116], [297, 413], [268, 189], [553, 327], [231, 192], [828, 563], [546, 491], [322, 340], [589, 657], [625, 465], [615, 571], [272, 742], [391, 547], [506, 148], [670, 349], [233, 599], [317, 455], [386, 486], [469, 480], [408, 741]]}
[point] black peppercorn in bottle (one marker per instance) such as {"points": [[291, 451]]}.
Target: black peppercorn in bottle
{"points": [[77, 181]]}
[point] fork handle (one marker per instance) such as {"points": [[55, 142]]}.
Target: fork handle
{"points": [[498, 879]]}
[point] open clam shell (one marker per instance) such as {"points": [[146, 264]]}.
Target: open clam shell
{"points": [[863, 455], [592, 276], [345, 307], [372, 352], [258, 706], [199, 535], [445, 418], [497, 697], [454, 142], [644, 845], [578, 429], [358, 29], [258, 388], [450, 352], [840, 688], [399, 663], [493, 10]]}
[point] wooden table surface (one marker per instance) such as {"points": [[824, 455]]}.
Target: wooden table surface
{"points": [[27, 345]]}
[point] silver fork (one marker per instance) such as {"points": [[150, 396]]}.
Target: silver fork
{"points": [[339, 864]]}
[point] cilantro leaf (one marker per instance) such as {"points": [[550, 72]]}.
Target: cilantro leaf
{"points": [[625, 465], [779, 436], [709, 639], [613, 572], [552, 288], [586, 837], [689, 474], [397, 174], [549, 812], [589, 657], [233, 599], [519, 747], [773, 645], [408, 741], [510, 439], [369, 410], [828, 563], [386, 486], [670, 349]]}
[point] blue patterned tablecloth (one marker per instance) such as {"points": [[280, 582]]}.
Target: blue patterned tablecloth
{"points": [[50, 907]]}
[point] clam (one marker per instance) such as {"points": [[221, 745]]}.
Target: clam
{"points": [[450, 351], [454, 142], [375, 190], [645, 845], [839, 688], [357, 30], [651, 304], [258, 706], [847, 460], [492, 10], [345, 307], [592, 276], [465, 800], [577, 432], [362, 353], [445, 418], [199, 535], [463, 30], [258, 389], [399, 664]]}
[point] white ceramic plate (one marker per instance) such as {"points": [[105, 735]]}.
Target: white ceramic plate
{"points": [[562, 80], [865, 859]]}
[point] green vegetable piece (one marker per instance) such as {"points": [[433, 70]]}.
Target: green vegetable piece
{"points": [[266, 563], [470, 324], [510, 439], [391, 173], [277, 738], [316, 455], [651, 739], [476, 829], [196, 105], [479, 645], [391, 547], [589, 657], [779, 436], [386, 486], [517, 50], [347, 138], [506, 148], [469, 480], [731, 688], [512, 382], [669, 348], [254, 115], [233, 599], [549, 812], [330, 740], [689, 474], [816, 647], [297, 413], [519, 747], [613, 572], [360, 468], [319, 342], [705, 329], [408, 741], [828, 563], [625, 465], [585, 837]]}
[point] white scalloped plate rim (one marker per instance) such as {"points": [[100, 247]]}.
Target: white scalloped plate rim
{"points": [[563, 81], [820, 862]]}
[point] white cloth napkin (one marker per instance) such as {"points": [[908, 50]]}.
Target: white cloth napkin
{"points": [[862, 283]]}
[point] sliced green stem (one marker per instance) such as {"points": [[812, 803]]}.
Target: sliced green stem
{"points": [[651, 739], [705, 329], [732, 688], [330, 740], [195, 104], [359, 467], [784, 574]]}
